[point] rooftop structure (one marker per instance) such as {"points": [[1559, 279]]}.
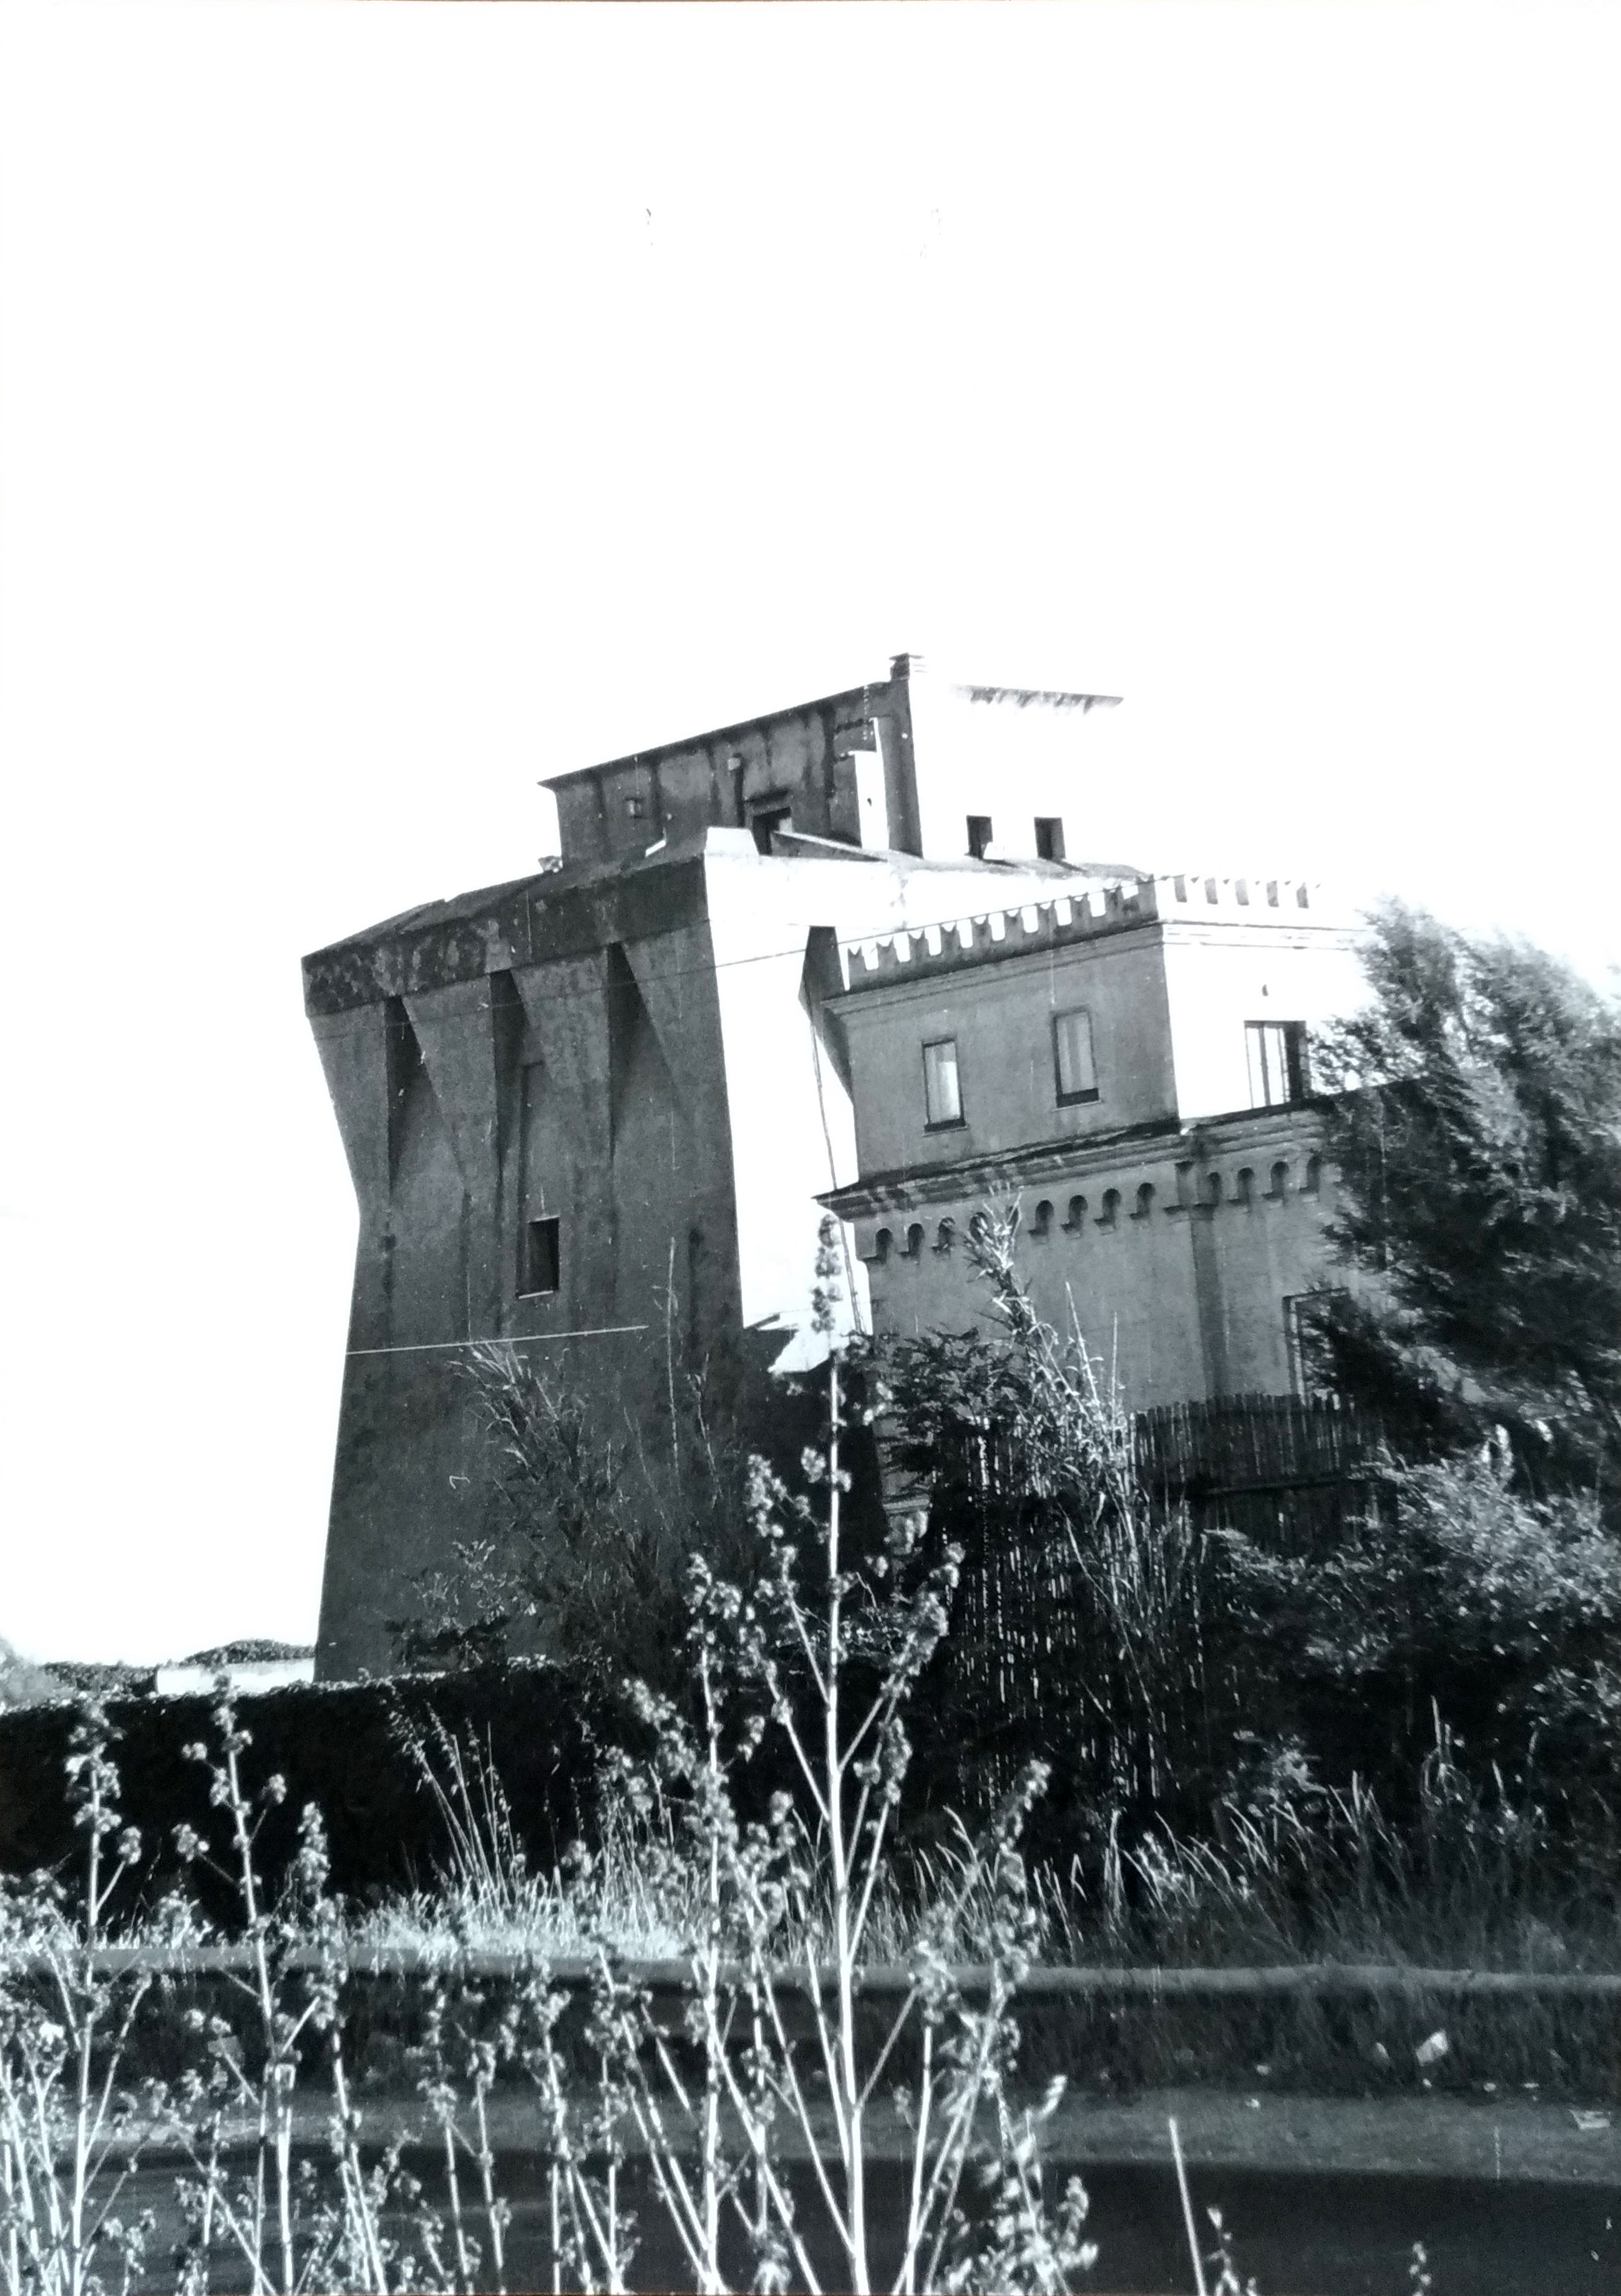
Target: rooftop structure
{"points": [[907, 764]]}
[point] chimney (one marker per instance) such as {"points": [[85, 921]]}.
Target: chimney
{"points": [[905, 665]]}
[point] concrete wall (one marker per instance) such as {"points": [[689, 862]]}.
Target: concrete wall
{"points": [[898, 765], [1177, 1296], [1181, 1288], [586, 1085], [777, 924], [843, 766], [1170, 978], [644, 1053], [1001, 1015], [1014, 754], [1226, 964]]}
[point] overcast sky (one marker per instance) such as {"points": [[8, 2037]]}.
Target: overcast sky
{"points": [[400, 403]]}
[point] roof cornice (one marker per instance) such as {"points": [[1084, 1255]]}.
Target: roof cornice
{"points": [[1235, 1130]]}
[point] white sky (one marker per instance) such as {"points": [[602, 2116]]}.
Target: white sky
{"points": [[396, 404]]}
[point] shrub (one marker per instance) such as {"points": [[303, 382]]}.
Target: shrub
{"points": [[1470, 1606], [1100, 1617], [1156, 1666], [592, 1533]]}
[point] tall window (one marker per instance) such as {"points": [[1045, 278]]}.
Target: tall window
{"points": [[1311, 1363], [1072, 1060], [978, 834], [1277, 1062], [1049, 837], [942, 1094], [539, 1261]]}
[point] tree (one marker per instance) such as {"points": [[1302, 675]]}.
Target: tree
{"points": [[1476, 1122]]}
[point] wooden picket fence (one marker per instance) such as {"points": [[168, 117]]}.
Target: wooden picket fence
{"points": [[1288, 1473], [1285, 1471]]}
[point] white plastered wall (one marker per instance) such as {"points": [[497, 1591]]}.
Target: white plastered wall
{"points": [[792, 1123], [1220, 974], [1012, 760]]}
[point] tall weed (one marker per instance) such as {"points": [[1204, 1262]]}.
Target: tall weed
{"points": [[70, 2130]]}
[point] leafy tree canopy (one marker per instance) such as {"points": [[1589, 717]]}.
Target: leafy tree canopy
{"points": [[1477, 1125]]}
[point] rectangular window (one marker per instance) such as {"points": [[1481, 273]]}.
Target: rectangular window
{"points": [[766, 821], [1049, 838], [978, 834], [942, 1096], [1277, 1062], [1077, 1075], [539, 1268], [1311, 1369]]}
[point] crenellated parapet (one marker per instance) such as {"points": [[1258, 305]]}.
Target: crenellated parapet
{"points": [[1087, 912]]}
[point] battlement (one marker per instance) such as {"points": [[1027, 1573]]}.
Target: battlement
{"points": [[1091, 910]]}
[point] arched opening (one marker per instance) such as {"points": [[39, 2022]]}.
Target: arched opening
{"points": [[1145, 1201], [1077, 1215], [1313, 1185], [1280, 1179], [1111, 1206], [882, 1243], [1213, 1188], [1243, 1185], [914, 1240], [1042, 1224], [946, 1235]]}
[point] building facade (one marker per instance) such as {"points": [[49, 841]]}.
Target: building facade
{"points": [[1131, 1066], [597, 1111], [592, 1112]]}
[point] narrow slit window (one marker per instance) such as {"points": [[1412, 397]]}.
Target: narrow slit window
{"points": [[1049, 837], [540, 1269], [942, 1091], [1072, 1060], [1277, 1062], [978, 834]]}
